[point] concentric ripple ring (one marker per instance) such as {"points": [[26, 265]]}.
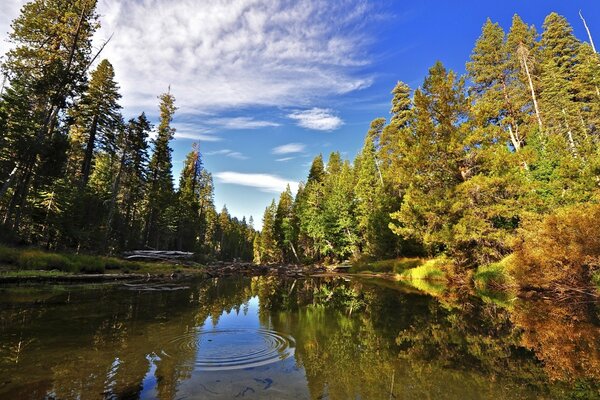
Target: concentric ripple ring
{"points": [[236, 348]]}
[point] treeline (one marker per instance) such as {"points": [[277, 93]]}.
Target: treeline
{"points": [[74, 175], [463, 164]]}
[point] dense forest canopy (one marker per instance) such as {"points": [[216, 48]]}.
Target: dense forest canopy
{"points": [[462, 167], [463, 164], [74, 174]]}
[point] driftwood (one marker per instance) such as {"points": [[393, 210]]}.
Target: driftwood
{"points": [[157, 255]]}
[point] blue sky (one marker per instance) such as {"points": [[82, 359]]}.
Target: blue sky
{"points": [[266, 85]]}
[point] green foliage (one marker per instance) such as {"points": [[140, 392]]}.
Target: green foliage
{"points": [[396, 265]]}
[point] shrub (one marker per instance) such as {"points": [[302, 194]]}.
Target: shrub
{"points": [[563, 248], [8, 255]]}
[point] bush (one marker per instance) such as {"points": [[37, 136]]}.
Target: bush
{"points": [[8, 255], [563, 248]]}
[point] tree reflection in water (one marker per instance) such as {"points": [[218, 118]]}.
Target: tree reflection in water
{"points": [[353, 339]]}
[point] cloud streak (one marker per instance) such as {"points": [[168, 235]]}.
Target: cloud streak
{"points": [[240, 123], [289, 148], [227, 153], [319, 119], [263, 182]]}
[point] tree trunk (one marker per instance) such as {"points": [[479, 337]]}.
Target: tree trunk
{"points": [[86, 168], [588, 32], [523, 55]]}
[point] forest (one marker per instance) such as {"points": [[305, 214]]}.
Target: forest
{"points": [[498, 169], [494, 171], [75, 175]]}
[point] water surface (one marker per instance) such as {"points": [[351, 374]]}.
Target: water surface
{"points": [[266, 338]]}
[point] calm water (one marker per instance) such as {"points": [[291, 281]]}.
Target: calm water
{"points": [[265, 338]]}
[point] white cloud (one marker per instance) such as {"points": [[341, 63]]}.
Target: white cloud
{"points": [[9, 10], [263, 182], [227, 153], [289, 148], [240, 123], [319, 119], [234, 53], [194, 132], [285, 159]]}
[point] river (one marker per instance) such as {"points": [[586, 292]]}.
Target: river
{"points": [[268, 338]]}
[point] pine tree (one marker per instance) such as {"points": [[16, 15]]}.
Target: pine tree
{"points": [[97, 114], [268, 249], [189, 193], [284, 229], [160, 177], [46, 69]]}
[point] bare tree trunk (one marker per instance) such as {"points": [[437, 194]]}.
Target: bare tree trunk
{"points": [[379, 171], [523, 56], [9, 180], [588, 31], [570, 135], [513, 139], [294, 251]]}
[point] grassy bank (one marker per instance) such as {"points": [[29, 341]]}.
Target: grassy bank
{"points": [[28, 262], [392, 266]]}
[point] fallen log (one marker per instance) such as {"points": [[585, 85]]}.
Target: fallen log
{"points": [[157, 255]]}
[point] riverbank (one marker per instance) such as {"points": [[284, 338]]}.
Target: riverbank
{"points": [[31, 265]]}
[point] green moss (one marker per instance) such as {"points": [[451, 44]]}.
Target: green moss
{"points": [[396, 265]]}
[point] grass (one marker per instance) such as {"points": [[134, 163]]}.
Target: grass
{"points": [[430, 277], [396, 265], [23, 262], [495, 276], [495, 284]]}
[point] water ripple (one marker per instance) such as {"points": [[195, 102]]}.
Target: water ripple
{"points": [[238, 348]]}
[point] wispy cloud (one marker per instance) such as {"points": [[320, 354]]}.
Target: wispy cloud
{"points": [[227, 153], [194, 132], [319, 119], [263, 182], [240, 123], [289, 148], [285, 159], [228, 54]]}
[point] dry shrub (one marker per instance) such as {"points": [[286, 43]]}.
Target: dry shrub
{"points": [[562, 249]]}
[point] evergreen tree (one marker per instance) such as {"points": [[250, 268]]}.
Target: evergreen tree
{"points": [[97, 114], [46, 69], [160, 178]]}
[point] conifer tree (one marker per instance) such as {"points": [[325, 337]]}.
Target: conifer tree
{"points": [[160, 177], [97, 114]]}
